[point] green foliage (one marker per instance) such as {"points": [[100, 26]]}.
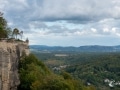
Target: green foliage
{"points": [[34, 75], [3, 33], [4, 30], [88, 67], [30, 70], [97, 68], [66, 75]]}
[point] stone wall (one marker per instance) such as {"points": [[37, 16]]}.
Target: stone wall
{"points": [[10, 53]]}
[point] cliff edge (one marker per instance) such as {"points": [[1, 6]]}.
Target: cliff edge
{"points": [[10, 54]]}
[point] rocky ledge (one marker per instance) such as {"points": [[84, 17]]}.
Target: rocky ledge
{"points": [[10, 54]]}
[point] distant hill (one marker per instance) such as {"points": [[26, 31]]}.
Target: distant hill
{"points": [[89, 48]]}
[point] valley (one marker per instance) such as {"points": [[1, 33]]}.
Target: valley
{"points": [[101, 69]]}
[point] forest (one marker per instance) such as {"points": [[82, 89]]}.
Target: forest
{"points": [[101, 69], [34, 75]]}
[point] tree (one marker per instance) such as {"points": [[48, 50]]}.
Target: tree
{"points": [[15, 32], [9, 32], [3, 26], [21, 34], [4, 29]]}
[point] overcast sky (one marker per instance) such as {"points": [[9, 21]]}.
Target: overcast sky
{"points": [[65, 22]]}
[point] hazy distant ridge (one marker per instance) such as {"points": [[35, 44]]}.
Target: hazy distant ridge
{"points": [[90, 48]]}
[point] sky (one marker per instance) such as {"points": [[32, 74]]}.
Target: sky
{"points": [[65, 22]]}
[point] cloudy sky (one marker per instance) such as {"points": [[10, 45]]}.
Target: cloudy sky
{"points": [[65, 22]]}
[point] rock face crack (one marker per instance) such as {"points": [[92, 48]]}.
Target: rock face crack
{"points": [[10, 54]]}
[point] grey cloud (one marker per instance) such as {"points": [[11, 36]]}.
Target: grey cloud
{"points": [[91, 13], [79, 11]]}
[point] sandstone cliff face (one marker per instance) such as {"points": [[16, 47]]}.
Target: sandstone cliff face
{"points": [[10, 53]]}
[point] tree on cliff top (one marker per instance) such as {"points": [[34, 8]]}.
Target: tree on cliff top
{"points": [[15, 32], [4, 29]]}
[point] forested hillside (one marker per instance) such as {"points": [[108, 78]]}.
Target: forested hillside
{"points": [[34, 75], [99, 69]]}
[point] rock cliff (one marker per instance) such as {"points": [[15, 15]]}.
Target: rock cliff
{"points": [[10, 54]]}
